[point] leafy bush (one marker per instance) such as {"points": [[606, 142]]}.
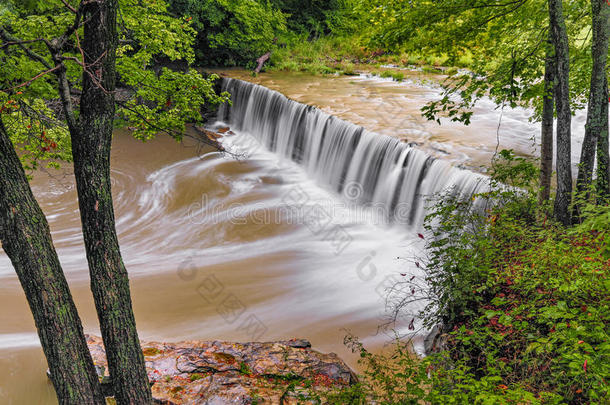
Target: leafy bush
{"points": [[315, 18], [232, 33]]}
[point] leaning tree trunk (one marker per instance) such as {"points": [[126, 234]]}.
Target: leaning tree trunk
{"points": [[603, 163], [26, 239], [559, 35], [596, 120], [91, 151], [546, 141]]}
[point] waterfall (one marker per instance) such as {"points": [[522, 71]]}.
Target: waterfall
{"points": [[372, 169]]}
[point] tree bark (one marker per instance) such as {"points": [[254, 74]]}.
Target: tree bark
{"points": [[596, 121], [603, 160], [26, 239], [91, 142], [546, 141], [564, 115]]}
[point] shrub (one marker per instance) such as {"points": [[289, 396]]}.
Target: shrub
{"points": [[230, 32]]}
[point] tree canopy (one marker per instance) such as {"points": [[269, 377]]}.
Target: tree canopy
{"points": [[156, 98]]}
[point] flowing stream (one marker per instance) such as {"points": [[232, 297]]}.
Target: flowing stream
{"points": [[300, 235]]}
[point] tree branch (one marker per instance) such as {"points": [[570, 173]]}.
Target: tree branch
{"points": [[69, 7], [38, 76], [20, 43], [216, 145]]}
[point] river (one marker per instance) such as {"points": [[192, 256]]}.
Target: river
{"points": [[282, 239]]}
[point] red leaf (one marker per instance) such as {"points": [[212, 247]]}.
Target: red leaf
{"points": [[420, 236]]}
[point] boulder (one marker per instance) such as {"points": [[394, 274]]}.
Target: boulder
{"points": [[214, 373]]}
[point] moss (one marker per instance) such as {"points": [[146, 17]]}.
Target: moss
{"points": [[224, 358], [288, 378], [195, 377], [431, 69], [398, 76], [451, 71], [244, 369], [151, 351]]}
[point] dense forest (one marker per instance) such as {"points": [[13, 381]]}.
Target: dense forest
{"points": [[518, 292]]}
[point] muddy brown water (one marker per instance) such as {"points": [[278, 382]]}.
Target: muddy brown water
{"points": [[214, 252]]}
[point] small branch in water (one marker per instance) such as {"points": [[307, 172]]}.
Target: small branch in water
{"points": [[261, 61]]}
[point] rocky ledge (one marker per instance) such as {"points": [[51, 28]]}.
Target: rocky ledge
{"points": [[215, 373]]}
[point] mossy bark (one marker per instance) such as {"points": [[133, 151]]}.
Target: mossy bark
{"points": [[546, 137], [597, 121], [603, 155], [559, 36], [91, 141], [26, 239]]}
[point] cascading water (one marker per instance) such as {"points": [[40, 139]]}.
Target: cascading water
{"points": [[375, 170]]}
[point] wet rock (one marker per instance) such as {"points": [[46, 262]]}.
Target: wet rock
{"points": [[196, 372], [436, 340], [209, 137]]}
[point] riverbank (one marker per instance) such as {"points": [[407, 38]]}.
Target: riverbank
{"points": [[524, 304], [346, 56]]}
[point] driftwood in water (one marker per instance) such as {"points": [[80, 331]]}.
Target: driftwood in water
{"points": [[261, 61]]}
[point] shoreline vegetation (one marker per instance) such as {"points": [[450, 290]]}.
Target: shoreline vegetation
{"points": [[339, 56], [521, 302]]}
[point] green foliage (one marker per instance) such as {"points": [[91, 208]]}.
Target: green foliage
{"points": [[30, 118], [232, 33], [34, 132], [235, 33], [524, 302], [327, 55], [163, 100], [505, 41], [315, 18], [153, 98], [401, 378]]}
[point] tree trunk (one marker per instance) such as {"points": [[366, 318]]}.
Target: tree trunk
{"points": [[546, 142], [603, 164], [564, 115], [26, 239], [91, 151], [596, 121]]}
